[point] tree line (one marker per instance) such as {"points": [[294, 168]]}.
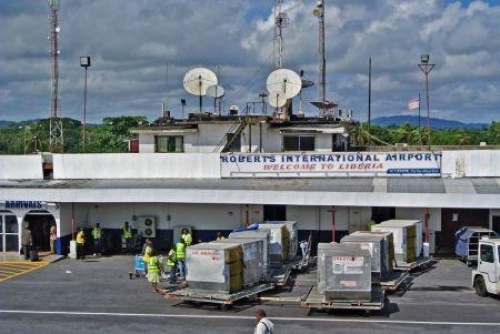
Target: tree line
{"points": [[113, 134]]}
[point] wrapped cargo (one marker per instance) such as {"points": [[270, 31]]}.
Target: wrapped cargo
{"points": [[253, 265], [263, 235], [344, 272], [407, 237], [294, 235], [279, 248], [215, 267], [379, 245]]}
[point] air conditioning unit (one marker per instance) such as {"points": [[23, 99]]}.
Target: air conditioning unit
{"points": [[146, 226]]}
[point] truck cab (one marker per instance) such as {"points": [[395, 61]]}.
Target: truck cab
{"points": [[486, 277]]}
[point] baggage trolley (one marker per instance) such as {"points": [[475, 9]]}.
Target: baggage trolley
{"points": [[139, 267]]}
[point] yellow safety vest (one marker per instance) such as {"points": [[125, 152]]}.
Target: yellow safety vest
{"points": [[188, 240], [147, 253], [96, 232], [172, 258], [180, 251], [153, 265], [127, 233], [80, 237]]}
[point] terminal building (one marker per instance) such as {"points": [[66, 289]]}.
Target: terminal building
{"points": [[211, 173]]}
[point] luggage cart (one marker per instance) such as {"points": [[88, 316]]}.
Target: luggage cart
{"points": [[139, 267]]}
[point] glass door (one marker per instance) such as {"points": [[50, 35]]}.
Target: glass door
{"points": [[9, 233]]}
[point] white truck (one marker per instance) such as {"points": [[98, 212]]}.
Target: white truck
{"points": [[486, 277]]}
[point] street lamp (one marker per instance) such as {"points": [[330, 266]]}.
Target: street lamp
{"points": [[426, 68], [85, 63]]}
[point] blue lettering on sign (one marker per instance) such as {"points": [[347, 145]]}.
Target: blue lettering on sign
{"points": [[23, 204], [413, 171]]}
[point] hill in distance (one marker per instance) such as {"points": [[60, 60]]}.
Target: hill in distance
{"points": [[436, 123]]}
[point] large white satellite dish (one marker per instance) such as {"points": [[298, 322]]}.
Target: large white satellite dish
{"points": [[277, 99], [283, 81], [197, 80], [215, 91]]}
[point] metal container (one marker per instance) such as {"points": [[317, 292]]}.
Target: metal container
{"points": [[344, 272], [215, 267], [294, 235], [407, 237], [264, 236], [279, 249], [378, 245], [252, 259]]}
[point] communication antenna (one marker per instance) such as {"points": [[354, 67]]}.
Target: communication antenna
{"points": [[284, 81], [277, 100], [197, 80], [56, 128], [216, 92], [164, 105], [319, 12], [281, 21]]}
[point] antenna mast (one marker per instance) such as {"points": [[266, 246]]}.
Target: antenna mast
{"points": [[319, 12], [56, 130], [280, 21]]}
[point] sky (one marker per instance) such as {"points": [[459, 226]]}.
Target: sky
{"points": [[141, 51]]}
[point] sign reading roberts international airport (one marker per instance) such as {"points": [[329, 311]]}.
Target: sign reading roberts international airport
{"points": [[338, 164]]}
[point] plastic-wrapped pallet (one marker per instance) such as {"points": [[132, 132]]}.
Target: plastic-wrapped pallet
{"points": [[378, 244], [294, 235], [252, 259], [344, 272], [407, 236], [279, 248], [215, 267], [259, 235]]}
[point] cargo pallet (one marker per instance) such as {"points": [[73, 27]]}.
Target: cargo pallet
{"points": [[223, 300], [420, 263], [280, 276], [394, 282], [317, 302]]}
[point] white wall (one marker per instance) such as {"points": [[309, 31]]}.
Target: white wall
{"points": [[17, 167], [132, 165], [478, 163]]}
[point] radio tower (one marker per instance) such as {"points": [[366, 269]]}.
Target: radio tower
{"points": [[280, 21], [56, 130]]}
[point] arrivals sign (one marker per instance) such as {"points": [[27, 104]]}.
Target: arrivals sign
{"points": [[337, 164]]}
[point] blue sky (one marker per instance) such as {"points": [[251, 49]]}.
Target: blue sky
{"points": [[131, 43]]}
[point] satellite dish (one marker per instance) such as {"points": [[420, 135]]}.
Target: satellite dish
{"points": [[277, 99], [215, 91], [197, 80], [283, 81], [307, 83]]}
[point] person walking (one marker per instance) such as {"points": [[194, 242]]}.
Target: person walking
{"points": [[97, 236], [180, 252], [80, 244], [127, 237], [172, 263], [26, 240], [186, 236], [264, 325], [147, 252], [53, 238], [154, 271]]}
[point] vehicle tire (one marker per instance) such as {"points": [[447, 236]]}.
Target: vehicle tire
{"points": [[480, 286]]}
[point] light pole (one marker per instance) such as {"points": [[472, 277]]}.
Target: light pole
{"points": [[426, 68], [85, 63]]}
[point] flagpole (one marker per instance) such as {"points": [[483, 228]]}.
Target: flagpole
{"points": [[419, 129]]}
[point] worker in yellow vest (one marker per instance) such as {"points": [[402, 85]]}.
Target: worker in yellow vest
{"points": [[80, 244], [154, 271], [186, 236], [180, 252], [148, 250], [127, 237], [97, 236], [172, 263]]}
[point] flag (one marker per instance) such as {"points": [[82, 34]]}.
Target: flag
{"points": [[413, 104]]}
